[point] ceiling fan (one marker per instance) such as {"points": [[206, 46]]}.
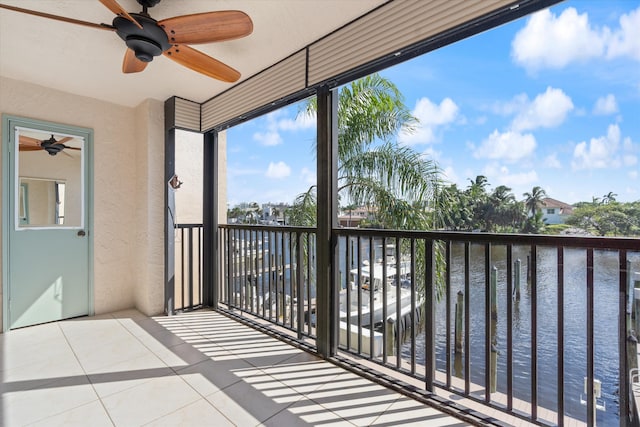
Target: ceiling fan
{"points": [[51, 146], [147, 38]]}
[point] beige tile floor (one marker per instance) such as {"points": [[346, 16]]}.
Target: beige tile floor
{"points": [[194, 369]]}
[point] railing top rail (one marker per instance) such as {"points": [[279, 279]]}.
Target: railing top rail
{"points": [[188, 225], [258, 227], [616, 243]]}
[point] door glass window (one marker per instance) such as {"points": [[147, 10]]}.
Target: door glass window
{"points": [[49, 180]]}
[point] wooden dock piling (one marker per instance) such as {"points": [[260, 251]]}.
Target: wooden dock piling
{"points": [[516, 278], [390, 335], [494, 294], [458, 325]]}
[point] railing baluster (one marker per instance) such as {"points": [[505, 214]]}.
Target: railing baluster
{"points": [[447, 289], [429, 314], [310, 306], [200, 289], [624, 311], [347, 288], [487, 322], [371, 287], [560, 355], [263, 269], [412, 280], [292, 281], [467, 318], [190, 270], [269, 271], [299, 290], [534, 332], [509, 295], [359, 287], [383, 286], [399, 319], [182, 273], [591, 410]]}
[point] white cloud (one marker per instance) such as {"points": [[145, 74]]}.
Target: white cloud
{"points": [[431, 154], [308, 176], [551, 41], [449, 175], [633, 174], [625, 41], [509, 108], [268, 139], [278, 121], [300, 122], [552, 162], [278, 170], [501, 175], [599, 152], [606, 105], [548, 109], [629, 160], [509, 146], [430, 116], [630, 157]]}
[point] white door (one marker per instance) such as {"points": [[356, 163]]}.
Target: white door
{"points": [[47, 223]]}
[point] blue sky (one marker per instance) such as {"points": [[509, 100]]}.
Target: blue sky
{"points": [[551, 100]]}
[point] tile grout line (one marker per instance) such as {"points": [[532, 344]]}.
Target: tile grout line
{"points": [[191, 365], [98, 398]]}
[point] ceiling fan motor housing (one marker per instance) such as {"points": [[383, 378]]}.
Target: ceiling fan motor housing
{"points": [[148, 3], [51, 146], [147, 42]]}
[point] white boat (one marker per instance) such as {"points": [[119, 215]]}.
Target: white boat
{"points": [[350, 309], [249, 250]]}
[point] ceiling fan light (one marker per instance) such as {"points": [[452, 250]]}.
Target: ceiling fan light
{"points": [[144, 48]]}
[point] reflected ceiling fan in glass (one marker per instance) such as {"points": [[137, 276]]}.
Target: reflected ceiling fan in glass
{"points": [[51, 145]]}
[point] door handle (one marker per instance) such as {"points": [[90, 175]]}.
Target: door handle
{"points": [[81, 233]]}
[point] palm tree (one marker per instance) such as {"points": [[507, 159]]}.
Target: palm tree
{"points": [[478, 186], [373, 169], [609, 197], [534, 199]]}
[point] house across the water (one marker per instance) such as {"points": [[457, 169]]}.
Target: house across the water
{"points": [[554, 211]]}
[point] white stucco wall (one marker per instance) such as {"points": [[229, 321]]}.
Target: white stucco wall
{"points": [[128, 189], [188, 167], [149, 213]]}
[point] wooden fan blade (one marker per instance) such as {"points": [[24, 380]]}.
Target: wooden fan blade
{"points": [[28, 141], [30, 148], [58, 18], [207, 27], [115, 7], [131, 64], [72, 148], [202, 63]]}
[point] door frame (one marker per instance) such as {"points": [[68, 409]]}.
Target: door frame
{"points": [[9, 123]]}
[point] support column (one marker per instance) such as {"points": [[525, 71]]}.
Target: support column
{"points": [[170, 206], [327, 208], [210, 220]]}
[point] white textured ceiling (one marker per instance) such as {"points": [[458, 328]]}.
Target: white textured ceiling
{"points": [[88, 61]]}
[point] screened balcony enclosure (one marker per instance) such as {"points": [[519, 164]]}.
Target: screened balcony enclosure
{"points": [[506, 328], [199, 321]]}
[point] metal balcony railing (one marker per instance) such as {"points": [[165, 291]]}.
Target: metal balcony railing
{"points": [[538, 327], [188, 267]]}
